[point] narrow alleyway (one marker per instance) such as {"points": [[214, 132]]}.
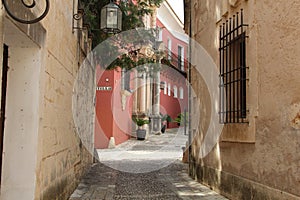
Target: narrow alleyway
{"points": [[170, 182]]}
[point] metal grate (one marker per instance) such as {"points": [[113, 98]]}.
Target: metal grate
{"points": [[176, 60], [233, 71]]}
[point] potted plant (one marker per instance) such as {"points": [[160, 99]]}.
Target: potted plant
{"points": [[140, 132], [165, 119], [180, 119]]}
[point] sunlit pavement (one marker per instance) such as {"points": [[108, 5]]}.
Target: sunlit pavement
{"points": [[150, 169], [154, 153]]}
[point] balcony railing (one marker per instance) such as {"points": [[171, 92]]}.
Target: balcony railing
{"points": [[175, 62]]}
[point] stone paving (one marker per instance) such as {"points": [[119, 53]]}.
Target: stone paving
{"points": [[154, 153], [161, 182]]}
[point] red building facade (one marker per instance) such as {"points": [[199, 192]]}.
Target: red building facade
{"points": [[114, 109], [111, 115], [174, 95]]}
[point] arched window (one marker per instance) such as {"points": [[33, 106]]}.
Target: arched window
{"points": [[181, 93], [175, 91], [165, 87]]}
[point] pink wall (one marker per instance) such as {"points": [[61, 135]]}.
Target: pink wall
{"points": [[122, 118], [173, 105], [175, 41], [169, 104], [111, 120], [103, 110]]}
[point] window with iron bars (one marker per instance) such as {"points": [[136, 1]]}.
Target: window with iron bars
{"points": [[233, 71]]}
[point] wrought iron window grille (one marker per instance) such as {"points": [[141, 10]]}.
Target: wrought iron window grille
{"points": [[233, 70]]}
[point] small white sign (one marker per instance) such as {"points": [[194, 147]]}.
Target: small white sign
{"points": [[103, 88]]}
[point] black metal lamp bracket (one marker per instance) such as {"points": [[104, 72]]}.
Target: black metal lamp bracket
{"points": [[77, 16], [29, 6]]}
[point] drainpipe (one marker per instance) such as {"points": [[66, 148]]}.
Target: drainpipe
{"points": [[190, 137]]}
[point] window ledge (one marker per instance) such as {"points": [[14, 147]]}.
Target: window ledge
{"points": [[242, 133]]}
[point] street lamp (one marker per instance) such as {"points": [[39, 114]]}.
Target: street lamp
{"points": [[111, 18]]}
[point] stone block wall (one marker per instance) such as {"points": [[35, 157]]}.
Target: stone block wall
{"points": [[66, 125]]}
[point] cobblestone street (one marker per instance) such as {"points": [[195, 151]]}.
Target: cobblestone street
{"points": [[170, 182]]}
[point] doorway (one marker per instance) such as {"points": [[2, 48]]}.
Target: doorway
{"points": [[3, 101], [20, 135]]}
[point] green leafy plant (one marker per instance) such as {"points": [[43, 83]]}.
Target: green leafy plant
{"points": [[140, 121], [165, 117], [126, 62], [180, 118]]}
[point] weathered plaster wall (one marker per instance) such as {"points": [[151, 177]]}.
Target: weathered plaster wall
{"points": [[21, 124], [260, 159], [278, 62]]}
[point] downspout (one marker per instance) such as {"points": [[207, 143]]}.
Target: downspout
{"points": [[190, 87]]}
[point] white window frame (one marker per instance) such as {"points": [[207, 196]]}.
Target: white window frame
{"points": [[165, 87], [175, 91], [160, 34], [181, 93], [169, 48], [182, 57], [169, 89]]}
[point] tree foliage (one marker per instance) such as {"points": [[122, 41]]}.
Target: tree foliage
{"points": [[132, 12], [132, 15]]}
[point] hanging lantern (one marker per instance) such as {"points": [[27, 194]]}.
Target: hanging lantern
{"points": [[111, 18]]}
